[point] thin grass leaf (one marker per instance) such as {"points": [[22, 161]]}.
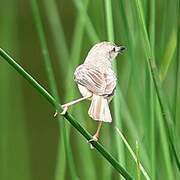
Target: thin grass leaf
{"points": [[168, 56], [151, 91], [134, 156], [132, 127], [144, 30], [138, 162], [164, 144]]}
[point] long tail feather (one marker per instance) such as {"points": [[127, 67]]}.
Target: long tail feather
{"points": [[99, 109]]}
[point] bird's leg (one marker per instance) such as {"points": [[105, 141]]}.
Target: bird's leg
{"points": [[67, 105], [96, 135]]}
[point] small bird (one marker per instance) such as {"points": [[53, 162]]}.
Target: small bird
{"points": [[96, 81]]}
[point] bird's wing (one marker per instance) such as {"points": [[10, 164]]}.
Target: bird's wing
{"points": [[91, 78], [95, 81], [111, 79]]}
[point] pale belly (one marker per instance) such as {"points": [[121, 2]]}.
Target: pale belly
{"points": [[84, 91]]}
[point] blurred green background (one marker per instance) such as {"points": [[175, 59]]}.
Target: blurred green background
{"points": [[34, 145]]}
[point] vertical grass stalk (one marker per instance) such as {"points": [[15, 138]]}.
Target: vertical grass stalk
{"points": [[138, 162], [165, 112], [151, 90], [15, 158], [52, 83], [116, 101]]}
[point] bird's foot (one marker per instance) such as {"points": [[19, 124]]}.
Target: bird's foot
{"points": [[94, 139], [65, 108]]}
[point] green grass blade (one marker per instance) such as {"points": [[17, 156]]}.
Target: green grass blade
{"points": [[164, 144], [14, 145], [110, 37], [138, 165], [52, 82], [177, 63], [116, 101], [128, 119], [62, 51], [67, 116], [109, 20], [133, 154], [89, 26], [164, 110], [151, 64], [145, 106], [151, 90], [168, 56], [77, 44], [57, 32], [28, 77], [44, 48], [144, 31]]}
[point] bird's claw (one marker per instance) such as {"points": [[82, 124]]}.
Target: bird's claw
{"points": [[94, 139], [65, 108]]}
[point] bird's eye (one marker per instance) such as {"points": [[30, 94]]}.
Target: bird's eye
{"points": [[114, 49]]}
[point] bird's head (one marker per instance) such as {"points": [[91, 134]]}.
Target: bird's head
{"points": [[106, 50]]}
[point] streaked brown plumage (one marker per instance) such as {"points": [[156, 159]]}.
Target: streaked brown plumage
{"points": [[95, 77], [101, 85]]}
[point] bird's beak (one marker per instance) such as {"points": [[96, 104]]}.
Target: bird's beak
{"points": [[120, 49]]}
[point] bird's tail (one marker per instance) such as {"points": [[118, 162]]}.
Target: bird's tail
{"points": [[99, 109]]}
